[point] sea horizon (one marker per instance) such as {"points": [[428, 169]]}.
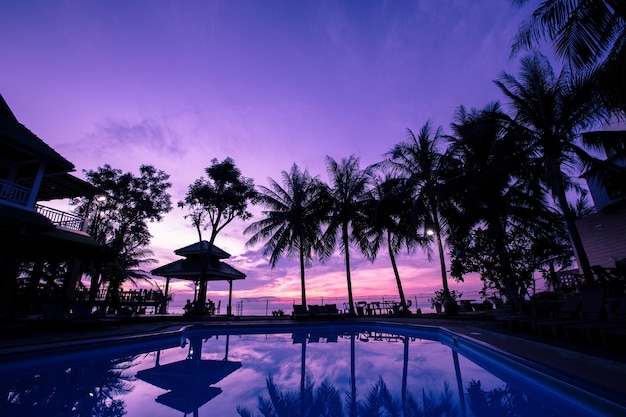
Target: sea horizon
{"points": [[266, 305]]}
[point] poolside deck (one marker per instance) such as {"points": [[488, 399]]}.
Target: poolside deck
{"points": [[590, 365]]}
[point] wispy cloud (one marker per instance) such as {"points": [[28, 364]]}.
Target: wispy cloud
{"points": [[146, 133]]}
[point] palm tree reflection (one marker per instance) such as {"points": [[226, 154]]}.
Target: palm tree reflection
{"points": [[325, 400]]}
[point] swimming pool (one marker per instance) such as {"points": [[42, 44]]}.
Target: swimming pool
{"points": [[343, 369]]}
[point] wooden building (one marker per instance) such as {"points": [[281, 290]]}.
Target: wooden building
{"points": [[32, 172], [604, 232]]}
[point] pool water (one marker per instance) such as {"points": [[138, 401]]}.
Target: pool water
{"points": [[314, 370]]}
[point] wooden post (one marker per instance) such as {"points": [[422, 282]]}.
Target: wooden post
{"points": [[230, 297]]}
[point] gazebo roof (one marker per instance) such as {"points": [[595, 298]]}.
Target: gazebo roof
{"points": [[197, 248], [189, 269], [188, 382], [186, 374]]}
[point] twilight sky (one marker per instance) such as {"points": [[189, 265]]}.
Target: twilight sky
{"points": [[269, 83]]}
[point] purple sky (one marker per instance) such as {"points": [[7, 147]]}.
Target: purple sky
{"points": [[268, 83]]}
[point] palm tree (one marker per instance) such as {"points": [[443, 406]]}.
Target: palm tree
{"points": [[585, 34], [494, 195], [552, 110], [424, 168], [293, 220], [390, 224], [349, 195]]}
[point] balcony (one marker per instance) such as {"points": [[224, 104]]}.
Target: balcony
{"points": [[62, 219], [14, 193]]}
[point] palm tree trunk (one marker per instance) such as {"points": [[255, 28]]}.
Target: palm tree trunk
{"points": [[346, 243], [396, 273], [303, 378], [353, 404], [405, 373], [459, 383], [302, 273], [442, 260], [572, 231]]}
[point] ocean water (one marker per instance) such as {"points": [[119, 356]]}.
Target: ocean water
{"points": [[264, 306]]}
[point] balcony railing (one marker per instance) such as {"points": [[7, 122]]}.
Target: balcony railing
{"points": [[14, 193], [61, 218]]}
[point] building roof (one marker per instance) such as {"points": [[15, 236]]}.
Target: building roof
{"points": [[196, 249], [13, 218], [16, 139], [64, 185]]}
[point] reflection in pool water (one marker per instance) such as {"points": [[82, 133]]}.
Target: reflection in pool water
{"points": [[331, 370]]}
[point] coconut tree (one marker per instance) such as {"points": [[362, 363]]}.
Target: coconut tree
{"points": [[293, 220], [390, 224], [585, 34], [495, 198], [424, 169], [552, 110], [349, 195]]}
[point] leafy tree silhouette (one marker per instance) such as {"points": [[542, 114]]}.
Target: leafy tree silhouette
{"points": [[325, 401], [503, 401]]}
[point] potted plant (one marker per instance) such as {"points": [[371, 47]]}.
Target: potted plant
{"points": [[440, 300]]}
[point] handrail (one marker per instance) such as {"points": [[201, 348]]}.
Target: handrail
{"points": [[60, 218], [14, 193]]}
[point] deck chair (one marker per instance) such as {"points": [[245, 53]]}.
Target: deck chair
{"points": [[361, 306], [567, 311], [300, 312], [591, 308], [53, 311], [375, 308], [592, 333]]}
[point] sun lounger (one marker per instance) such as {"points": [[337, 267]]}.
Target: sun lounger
{"points": [[591, 309], [300, 312], [509, 321], [361, 307], [594, 333], [375, 308], [567, 311], [53, 311], [324, 311], [589, 333], [614, 339]]}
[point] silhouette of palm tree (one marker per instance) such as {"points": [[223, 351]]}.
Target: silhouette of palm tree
{"points": [[495, 192], [293, 220], [585, 34], [551, 110], [424, 169], [349, 194], [390, 224], [325, 401]]}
